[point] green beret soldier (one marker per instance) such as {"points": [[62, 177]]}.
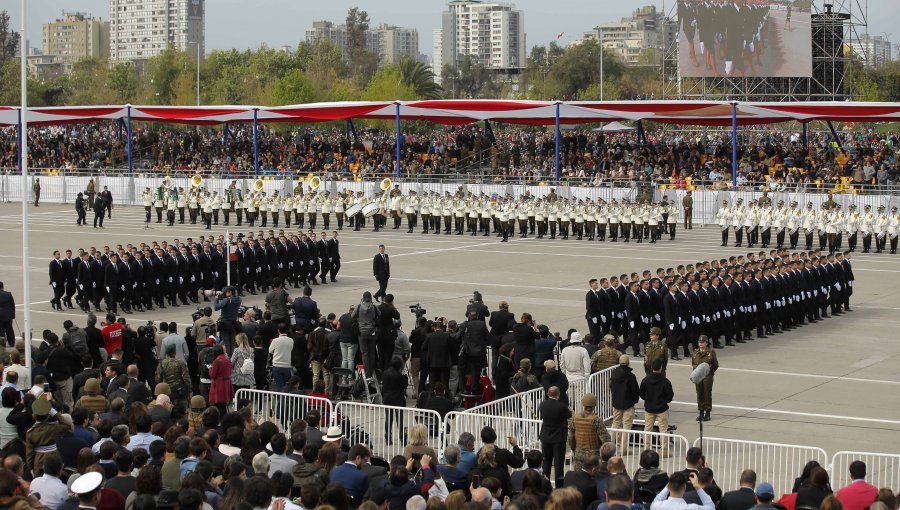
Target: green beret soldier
{"points": [[587, 432]]}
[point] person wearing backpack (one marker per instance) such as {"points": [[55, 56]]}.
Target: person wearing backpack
{"points": [[205, 357], [242, 375], [524, 380]]}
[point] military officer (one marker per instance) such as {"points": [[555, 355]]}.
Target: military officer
{"points": [[40, 439], [655, 349], [703, 354], [587, 432]]}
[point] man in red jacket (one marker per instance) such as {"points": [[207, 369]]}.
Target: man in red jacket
{"points": [[859, 494]]}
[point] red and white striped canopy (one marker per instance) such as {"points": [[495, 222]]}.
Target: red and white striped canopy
{"points": [[465, 111]]}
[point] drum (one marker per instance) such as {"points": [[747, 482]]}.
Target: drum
{"points": [[370, 209], [353, 210]]}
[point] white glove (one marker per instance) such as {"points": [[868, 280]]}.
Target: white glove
{"points": [[696, 320], [53, 284], [851, 282], [683, 325], [180, 280], [671, 327], [718, 315], [594, 320], [706, 318], [81, 286], [93, 285], [837, 286], [754, 308], [631, 324], [741, 308], [192, 278], [107, 289], [657, 317], [603, 319]]}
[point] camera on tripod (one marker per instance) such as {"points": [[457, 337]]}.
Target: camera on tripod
{"points": [[417, 310]]}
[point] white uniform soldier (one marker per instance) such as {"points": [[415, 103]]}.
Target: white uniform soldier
{"points": [[147, 198], [672, 221]]}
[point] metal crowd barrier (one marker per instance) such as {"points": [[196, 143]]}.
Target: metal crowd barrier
{"points": [[525, 430], [519, 405], [598, 384], [284, 407], [775, 463], [672, 448], [384, 429], [882, 469]]}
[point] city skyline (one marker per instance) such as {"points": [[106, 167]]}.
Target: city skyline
{"points": [[278, 23]]}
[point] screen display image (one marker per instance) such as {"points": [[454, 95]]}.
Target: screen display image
{"points": [[744, 38]]}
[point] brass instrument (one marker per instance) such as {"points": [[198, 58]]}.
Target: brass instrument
{"points": [[314, 183], [258, 185], [386, 184], [197, 180]]}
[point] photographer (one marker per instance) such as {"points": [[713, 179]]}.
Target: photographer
{"points": [[278, 300], [525, 333], [229, 306], [145, 357]]}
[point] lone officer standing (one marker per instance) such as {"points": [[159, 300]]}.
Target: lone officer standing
{"points": [[654, 350], [704, 388], [688, 203], [587, 432]]}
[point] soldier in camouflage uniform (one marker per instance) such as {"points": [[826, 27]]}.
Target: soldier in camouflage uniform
{"points": [[704, 390], [40, 440], [656, 349], [587, 432], [174, 372]]}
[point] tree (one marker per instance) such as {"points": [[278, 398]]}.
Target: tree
{"points": [[9, 39], [123, 83], [579, 67], [469, 79], [420, 78], [387, 85], [294, 88], [362, 61]]}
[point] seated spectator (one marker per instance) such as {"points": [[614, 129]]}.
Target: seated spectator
{"points": [[123, 482], [402, 488], [488, 466], [48, 487], [649, 480], [765, 494], [671, 497], [350, 474], [454, 477], [584, 479], [309, 473], [742, 498], [813, 495], [859, 494], [418, 447], [802, 481], [467, 456], [534, 460]]}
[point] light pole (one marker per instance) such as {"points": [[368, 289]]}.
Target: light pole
{"points": [[198, 70], [600, 41], [23, 150]]}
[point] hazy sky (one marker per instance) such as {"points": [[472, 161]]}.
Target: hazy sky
{"points": [[249, 23]]}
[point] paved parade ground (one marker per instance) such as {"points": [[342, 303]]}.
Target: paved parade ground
{"points": [[833, 384]]}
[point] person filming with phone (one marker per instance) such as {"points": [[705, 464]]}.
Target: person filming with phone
{"points": [[229, 306], [672, 496]]}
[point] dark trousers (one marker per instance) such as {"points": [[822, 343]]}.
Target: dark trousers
{"points": [[82, 217], [439, 374], [7, 328], [554, 454], [391, 417], [476, 365], [382, 287], [335, 267], [98, 217]]}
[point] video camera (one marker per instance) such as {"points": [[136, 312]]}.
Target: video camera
{"points": [[417, 310]]}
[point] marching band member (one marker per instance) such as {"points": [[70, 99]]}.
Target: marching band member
{"points": [[182, 203], [147, 198]]}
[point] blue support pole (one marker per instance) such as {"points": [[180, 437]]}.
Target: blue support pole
{"points": [[19, 138], [804, 137], [490, 131], [834, 134], [642, 136], [557, 144], [120, 125], [398, 140], [734, 142], [255, 143], [352, 130], [128, 132], [225, 135]]}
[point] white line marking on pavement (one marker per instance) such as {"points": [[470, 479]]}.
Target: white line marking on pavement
{"points": [[797, 413], [797, 374]]}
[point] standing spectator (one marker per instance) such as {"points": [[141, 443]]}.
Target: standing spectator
{"points": [[306, 311], [61, 362], [386, 331], [174, 372], [657, 392], [220, 390], [393, 391], [574, 360], [625, 394], [123, 482], [525, 333], [112, 334], [474, 342], [672, 496], [181, 346], [280, 349], [554, 426], [584, 481], [7, 315], [366, 314], [504, 371], [553, 377], [607, 356], [501, 323], [859, 494], [242, 364]]}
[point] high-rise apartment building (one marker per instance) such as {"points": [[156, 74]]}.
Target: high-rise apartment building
{"points": [[646, 29], [141, 29], [75, 37], [873, 50], [493, 33], [390, 43]]}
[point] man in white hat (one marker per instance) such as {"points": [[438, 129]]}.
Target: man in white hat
{"points": [[574, 360], [87, 488], [333, 434]]}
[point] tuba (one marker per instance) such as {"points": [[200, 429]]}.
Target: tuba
{"points": [[258, 185], [314, 183], [196, 180], [385, 184]]}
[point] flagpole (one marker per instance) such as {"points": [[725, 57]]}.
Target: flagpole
{"points": [[23, 153]]}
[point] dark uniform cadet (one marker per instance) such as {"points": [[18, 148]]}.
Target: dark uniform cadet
{"points": [[703, 354], [587, 432], [40, 440], [57, 272]]}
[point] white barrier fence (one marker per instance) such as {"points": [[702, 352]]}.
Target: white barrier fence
{"points": [[775, 463], [384, 429], [882, 469], [127, 191], [598, 384], [284, 407]]}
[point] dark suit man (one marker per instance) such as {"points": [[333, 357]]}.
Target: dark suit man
{"points": [[57, 280], [594, 308], [381, 268], [743, 498], [113, 283], [554, 428], [584, 480], [633, 318], [98, 210], [334, 252], [7, 314]]}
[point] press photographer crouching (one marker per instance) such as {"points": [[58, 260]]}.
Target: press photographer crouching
{"points": [[229, 306]]}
